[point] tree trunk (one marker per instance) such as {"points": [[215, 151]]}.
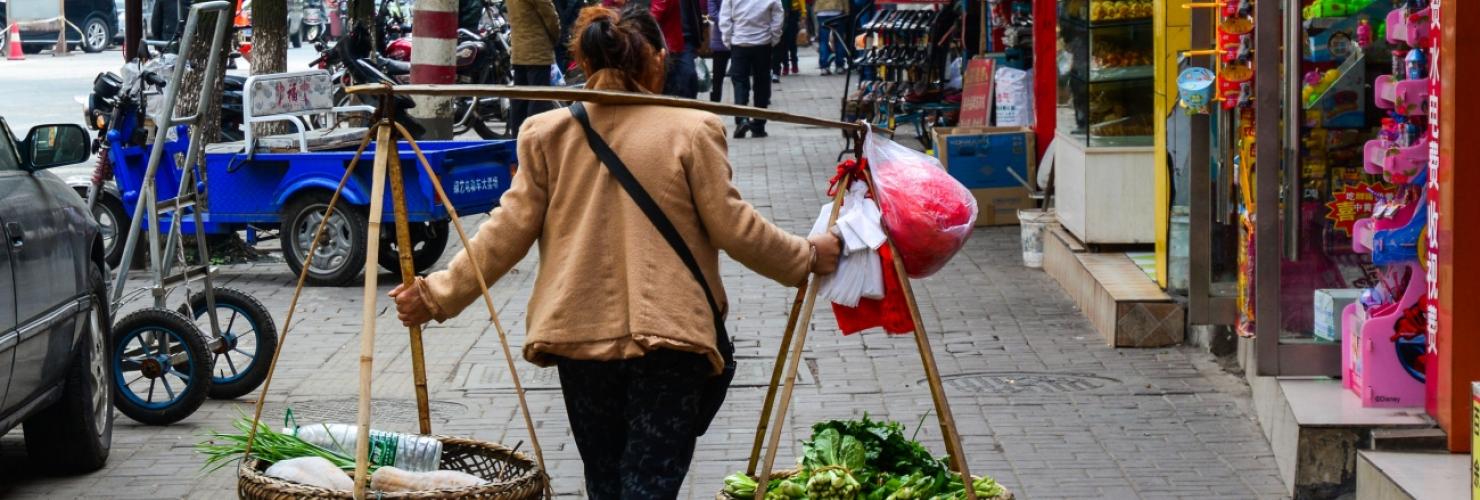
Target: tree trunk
{"points": [[208, 124], [269, 49]]}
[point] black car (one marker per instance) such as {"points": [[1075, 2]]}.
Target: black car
{"points": [[96, 24], [54, 322]]}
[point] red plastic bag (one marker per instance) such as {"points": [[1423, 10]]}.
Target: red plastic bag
{"points": [[928, 214], [890, 312]]}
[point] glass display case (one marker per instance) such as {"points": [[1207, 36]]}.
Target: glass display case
{"points": [[1106, 72]]}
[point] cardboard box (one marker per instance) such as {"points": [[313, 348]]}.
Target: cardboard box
{"points": [[980, 157], [1329, 302], [999, 206]]}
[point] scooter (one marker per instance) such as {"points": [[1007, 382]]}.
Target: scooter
{"points": [[315, 21]]}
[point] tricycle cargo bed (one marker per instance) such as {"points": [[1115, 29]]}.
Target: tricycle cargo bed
{"points": [[253, 190]]}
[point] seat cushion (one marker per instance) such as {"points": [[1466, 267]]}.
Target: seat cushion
{"points": [[318, 140]]}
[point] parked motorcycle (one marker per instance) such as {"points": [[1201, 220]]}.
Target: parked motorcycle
{"points": [[352, 62], [482, 59], [315, 21]]}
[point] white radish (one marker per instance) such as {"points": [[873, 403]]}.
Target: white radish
{"points": [[312, 471], [391, 479]]}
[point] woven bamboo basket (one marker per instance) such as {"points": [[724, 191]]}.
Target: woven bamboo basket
{"points": [[511, 476], [785, 473]]}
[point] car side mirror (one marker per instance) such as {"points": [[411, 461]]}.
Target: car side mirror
{"points": [[49, 146]]}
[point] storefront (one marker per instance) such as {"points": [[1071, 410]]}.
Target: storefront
{"points": [[1320, 203]]}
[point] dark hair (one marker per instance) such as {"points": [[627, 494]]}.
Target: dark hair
{"points": [[625, 41]]}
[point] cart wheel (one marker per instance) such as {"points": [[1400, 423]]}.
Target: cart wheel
{"points": [[428, 240], [159, 366], [248, 339], [341, 255]]}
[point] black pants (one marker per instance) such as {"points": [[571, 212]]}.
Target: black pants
{"points": [[750, 69], [721, 66], [635, 421], [786, 49], [681, 79], [528, 74]]}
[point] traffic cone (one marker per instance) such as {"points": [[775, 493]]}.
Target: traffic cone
{"points": [[16, 54]]}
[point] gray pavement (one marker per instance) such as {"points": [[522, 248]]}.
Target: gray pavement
{"points": [[1043, 405]]}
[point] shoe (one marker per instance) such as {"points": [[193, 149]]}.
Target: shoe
{"points": [[826, 72], [742, 126], [775, 78], [758, 129], [794, 68]]}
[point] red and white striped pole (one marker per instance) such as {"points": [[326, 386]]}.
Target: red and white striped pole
{"points": [[434, 32]]}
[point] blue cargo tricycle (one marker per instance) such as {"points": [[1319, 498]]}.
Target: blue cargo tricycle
{"points": [[289, 192]]}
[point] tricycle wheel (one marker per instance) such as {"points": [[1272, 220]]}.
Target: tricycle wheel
{"points": [[340, 255], [248, 339], [160, 365], [428, 240]]}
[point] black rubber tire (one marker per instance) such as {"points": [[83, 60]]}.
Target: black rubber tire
{"points": [[183, 330], [484, 131], [357, 227], [112, 252], [265, 339], [67, 437], [428, 239], [87, 28]]}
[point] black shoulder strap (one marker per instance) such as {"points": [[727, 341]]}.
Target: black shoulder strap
{"points": [[654, 214]]}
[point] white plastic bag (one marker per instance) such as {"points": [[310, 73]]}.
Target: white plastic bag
{"points": [[311, 471], [858, 274], [1014, 97]]}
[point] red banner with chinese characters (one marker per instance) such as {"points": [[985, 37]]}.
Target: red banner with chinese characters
{"points": [[976, 93], [1352, 203], [1431, 264]]}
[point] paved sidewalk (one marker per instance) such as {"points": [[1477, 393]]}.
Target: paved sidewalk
{"points": [[1043, 404]]}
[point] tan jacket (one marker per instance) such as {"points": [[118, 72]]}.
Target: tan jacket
{"points": [[534, 30], [608, 286]]}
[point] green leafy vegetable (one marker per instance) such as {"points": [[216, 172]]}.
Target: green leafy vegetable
{"points": [[222, 449]]}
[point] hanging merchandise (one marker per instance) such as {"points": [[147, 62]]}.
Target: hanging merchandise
{"points": [[858, 274], [929, 214], [904, 61], [1195, 90]]}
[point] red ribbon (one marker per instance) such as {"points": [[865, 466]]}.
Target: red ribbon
{"points": [[848, 168]]}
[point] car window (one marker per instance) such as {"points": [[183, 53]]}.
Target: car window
{"points": [[9, 157]]}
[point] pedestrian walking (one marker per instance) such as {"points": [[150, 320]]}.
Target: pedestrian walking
{"points": [[680, 78], [832, 51], [534, 30], [751, 28], [632, 325], [784, 57], [719, 52]]}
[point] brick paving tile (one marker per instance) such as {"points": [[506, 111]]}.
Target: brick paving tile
{"points": [[1161, 423]]}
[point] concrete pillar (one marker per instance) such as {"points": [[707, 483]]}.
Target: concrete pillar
{"points": [[434, 30]]}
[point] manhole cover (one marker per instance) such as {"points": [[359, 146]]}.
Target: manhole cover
{"points": [[346, 410], [1024, 382], [494, 377]]}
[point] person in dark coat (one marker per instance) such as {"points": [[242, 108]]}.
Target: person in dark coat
{"points": [[164, 22]]}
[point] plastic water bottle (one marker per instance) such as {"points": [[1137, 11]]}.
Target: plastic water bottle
{"points": [[404, 451]]}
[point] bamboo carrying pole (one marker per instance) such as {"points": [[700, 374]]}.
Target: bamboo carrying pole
{"points": [[790, 379], [408, 275], [776, 370], [949, 434], [384, 150], [298, 289], [606, 97], [498, 326]]}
